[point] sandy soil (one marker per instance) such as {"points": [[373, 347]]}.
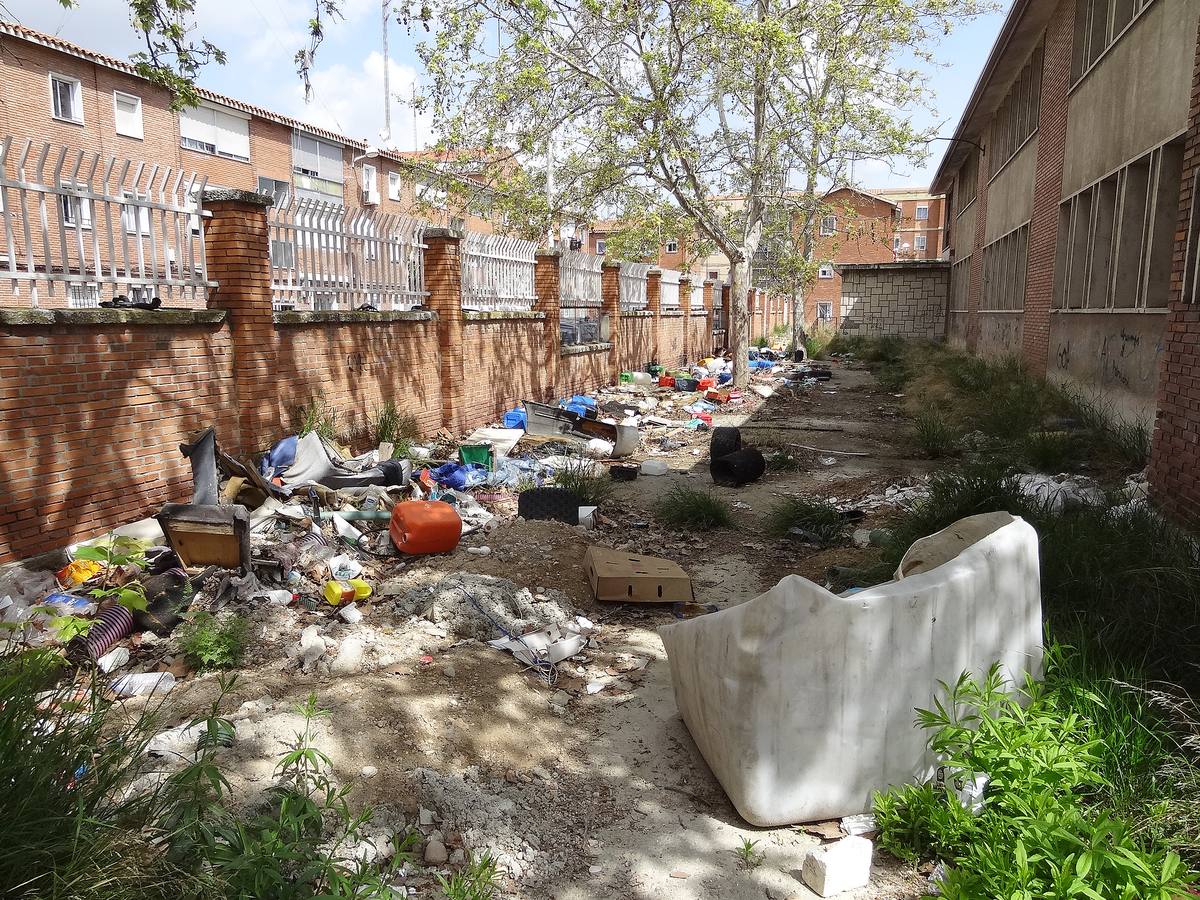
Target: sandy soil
{"points": [[589, 795]]}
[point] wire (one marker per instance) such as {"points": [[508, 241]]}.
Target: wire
{"points": [[545, 669]]}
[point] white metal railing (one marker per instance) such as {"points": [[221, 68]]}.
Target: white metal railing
{"points": [[633, 285], [668, 289], [76, 225], [697, 302], [497, 272], [325, 256], [579, 278]]}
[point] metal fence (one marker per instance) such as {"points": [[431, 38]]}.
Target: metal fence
{"points": [[633, 285], [668, 290], [77, 227], [325, 256], [497, 272], [579, 278]]}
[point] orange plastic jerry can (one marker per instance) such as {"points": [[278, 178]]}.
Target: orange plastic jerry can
{"points": [[425, 526]]}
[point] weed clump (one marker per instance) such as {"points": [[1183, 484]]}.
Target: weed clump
{"points": [[591, 485], [210, 643], [934, 433], [394, 427], [316, 416], [812, 516], [688, 507]]}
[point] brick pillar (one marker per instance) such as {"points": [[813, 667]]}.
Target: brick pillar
{"points": [[685, 304], [1047, 189], [654, 305], [1175, 452], [610, 305], [975, 292], [546, 285], [443, 280], [238, 252], [708, 318], [727, 312]]}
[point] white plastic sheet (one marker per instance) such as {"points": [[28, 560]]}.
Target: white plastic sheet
{"points": [[802, 702]]}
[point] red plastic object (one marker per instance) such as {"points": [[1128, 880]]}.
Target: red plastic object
{"points": [[425, 526], [705, 418], [666, 381], [705, 384]]}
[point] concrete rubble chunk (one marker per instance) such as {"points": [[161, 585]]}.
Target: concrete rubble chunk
{"points": [[436, 853], [838, 867]]}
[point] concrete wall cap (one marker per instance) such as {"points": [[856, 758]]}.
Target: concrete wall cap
{"points": [[449, 233], [99, 316], [253, 198]]}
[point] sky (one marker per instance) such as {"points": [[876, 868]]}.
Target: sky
{"points": [[260, 38]]}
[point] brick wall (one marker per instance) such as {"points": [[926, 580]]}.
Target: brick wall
{"points": [[636, 341], [1047, 188], [1175, 454], [903, 299], [672, 332]]}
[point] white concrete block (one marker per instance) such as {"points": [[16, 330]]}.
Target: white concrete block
{"points": [[838, 867]]}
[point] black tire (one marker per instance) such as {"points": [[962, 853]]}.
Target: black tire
{"points": [[738, 468], [555, 503], [724, 441]]}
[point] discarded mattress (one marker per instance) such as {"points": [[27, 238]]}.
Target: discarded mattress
{"points": [[802, 702]]}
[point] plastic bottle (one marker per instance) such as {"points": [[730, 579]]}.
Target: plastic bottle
{"points": [[143, 684], [280, 597], [338, 592], [362, 590], [346, 531]]}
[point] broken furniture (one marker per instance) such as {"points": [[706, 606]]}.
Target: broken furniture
{"points": [[802, 701], [551, 421], [622, 577], [204, 535]]}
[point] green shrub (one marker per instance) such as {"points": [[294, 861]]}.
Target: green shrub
{"points": [[1043, 831], [72, 831], [762, 342], [479, 879], [211, 643], [1049, 451], [812, 515], [393, 427], [590, 483], [934, 433], [688, 507], [316, 416], [819, 341]]}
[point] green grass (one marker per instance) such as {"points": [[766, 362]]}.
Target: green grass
{"points": [[394, 427], [479, 879], [590, 483], [818, 341], [812, 515], [1050, 451], [316, 416], [748, 854], [780, 459], [934, 433], [692, 508], [1128, 440]]}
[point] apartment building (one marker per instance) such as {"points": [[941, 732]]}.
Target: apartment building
{"points": [[55, 92], [673, 253], [859, 228], [919, 222], [1063, 184]]}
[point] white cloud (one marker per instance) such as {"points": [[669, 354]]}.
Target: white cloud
{"points": [[350, 99]]}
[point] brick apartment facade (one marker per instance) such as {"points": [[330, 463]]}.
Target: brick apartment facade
{"points": [[919, 224], [114, 112], [858, 229], [1069, 213], [672, 254]]}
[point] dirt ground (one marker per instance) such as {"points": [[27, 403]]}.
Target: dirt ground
{"points": [[585, 795]]}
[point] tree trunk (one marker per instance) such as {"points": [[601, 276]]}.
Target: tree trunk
{"points": [[739, 321], [797, 320]]}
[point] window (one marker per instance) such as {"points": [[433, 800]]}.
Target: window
{"points": [[283, 254], [1004, 262], [207, 129], [960, 283], [966, 182], [825, 311], [65, 99], [83, 296], [135, 219], [370, 184], [273, 187], [318, 168], [1116, 237], [76, 211], [1191, 256], [1017, 117], [829, 225], [896, 243], [672, 246], [1098, 24], [922, 213], [714, 276], [922, 242], [601, 247], [393, 185], [825, 270], [127, 114]]}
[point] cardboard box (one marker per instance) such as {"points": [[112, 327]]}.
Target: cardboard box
{"points": [[203, 535], [629, 578]]}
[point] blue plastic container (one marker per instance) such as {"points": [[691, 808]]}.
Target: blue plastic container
{"points": [[515, 418]]}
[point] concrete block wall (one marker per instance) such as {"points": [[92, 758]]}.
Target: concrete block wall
{"points": [[902, 299]]}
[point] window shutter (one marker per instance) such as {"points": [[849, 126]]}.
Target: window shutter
{"points": [[127, 111], [197, 125], [232, 135]]}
